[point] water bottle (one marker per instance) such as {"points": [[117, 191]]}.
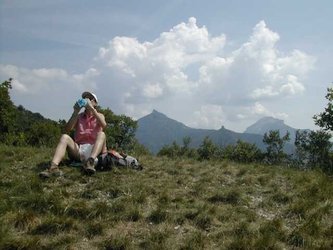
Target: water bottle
{"points": [[82, 102]]}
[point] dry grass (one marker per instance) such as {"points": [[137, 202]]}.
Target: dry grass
{"points": [[171, 204]]}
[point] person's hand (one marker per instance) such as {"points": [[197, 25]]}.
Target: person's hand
{"points": [[76, 107], [89, 105]]}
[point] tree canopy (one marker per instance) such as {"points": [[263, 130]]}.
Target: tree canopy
{"points": [[325, 118], [20, 127]]}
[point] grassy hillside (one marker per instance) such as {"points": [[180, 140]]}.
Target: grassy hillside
{"points": [[171, 204]]}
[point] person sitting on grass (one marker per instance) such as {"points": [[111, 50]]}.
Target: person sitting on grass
{"points": [[89, 138]]}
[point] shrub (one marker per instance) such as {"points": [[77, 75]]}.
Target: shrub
{"points": [[275, 145], [242, 152], [207, 149]]}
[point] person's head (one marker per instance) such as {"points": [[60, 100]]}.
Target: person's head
{"points": [[91, 96]]}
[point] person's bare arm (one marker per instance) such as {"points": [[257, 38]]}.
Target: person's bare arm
{"points": [[99, 116], [73, 120]]}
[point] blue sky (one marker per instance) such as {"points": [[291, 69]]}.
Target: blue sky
{"points": [[205, 63]]}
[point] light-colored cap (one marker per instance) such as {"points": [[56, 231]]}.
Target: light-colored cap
{"points": [[88, 94]]}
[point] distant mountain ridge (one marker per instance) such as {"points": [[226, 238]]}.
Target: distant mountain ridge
{"points": [[266, 124], [157, 130]]}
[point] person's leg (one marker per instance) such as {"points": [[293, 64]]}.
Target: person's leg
{"points": [[99, 145], [65, 143]]}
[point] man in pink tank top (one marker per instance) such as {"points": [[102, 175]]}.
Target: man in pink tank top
{"points": [[89, 139]]}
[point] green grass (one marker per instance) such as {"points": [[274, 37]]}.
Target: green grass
{"points": [[171, 204]]}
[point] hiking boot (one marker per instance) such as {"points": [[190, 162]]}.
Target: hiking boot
{"points": [[52, 171], [89, 166]]}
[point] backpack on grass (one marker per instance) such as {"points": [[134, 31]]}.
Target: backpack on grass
{"points": [[112, 159]]}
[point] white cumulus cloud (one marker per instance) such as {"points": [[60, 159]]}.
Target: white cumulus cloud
{"points": [[152, 90], [165, 60], [183, 67], [208, 116], [50, 91]]}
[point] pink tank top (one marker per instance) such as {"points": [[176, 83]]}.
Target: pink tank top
{"points": [[86, 129]]}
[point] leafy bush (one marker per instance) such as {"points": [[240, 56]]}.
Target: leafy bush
{"points": [[20, 127], [207, 150], [275, 145], [120, 130], [174, 150], [313, 149], [171, 151], [242, 152]]}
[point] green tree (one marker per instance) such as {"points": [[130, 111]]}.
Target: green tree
{"points": [[302, 144], [207, 149], [7, 110], [120, 130], [319, 148], [325, 119], [313, 148], [186, 143], [242, 152], [44, 133], [186, 150], [138, 149], [275, 145], [172, 151]]}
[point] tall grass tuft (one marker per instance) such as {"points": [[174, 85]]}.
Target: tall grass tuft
{"points": [[194, 240], [94, 228], [53, 225], [232, 197], [116, 242], [158, 215]]}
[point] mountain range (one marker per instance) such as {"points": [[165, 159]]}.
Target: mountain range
{"points": [[266, 124], [157, 130]]}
